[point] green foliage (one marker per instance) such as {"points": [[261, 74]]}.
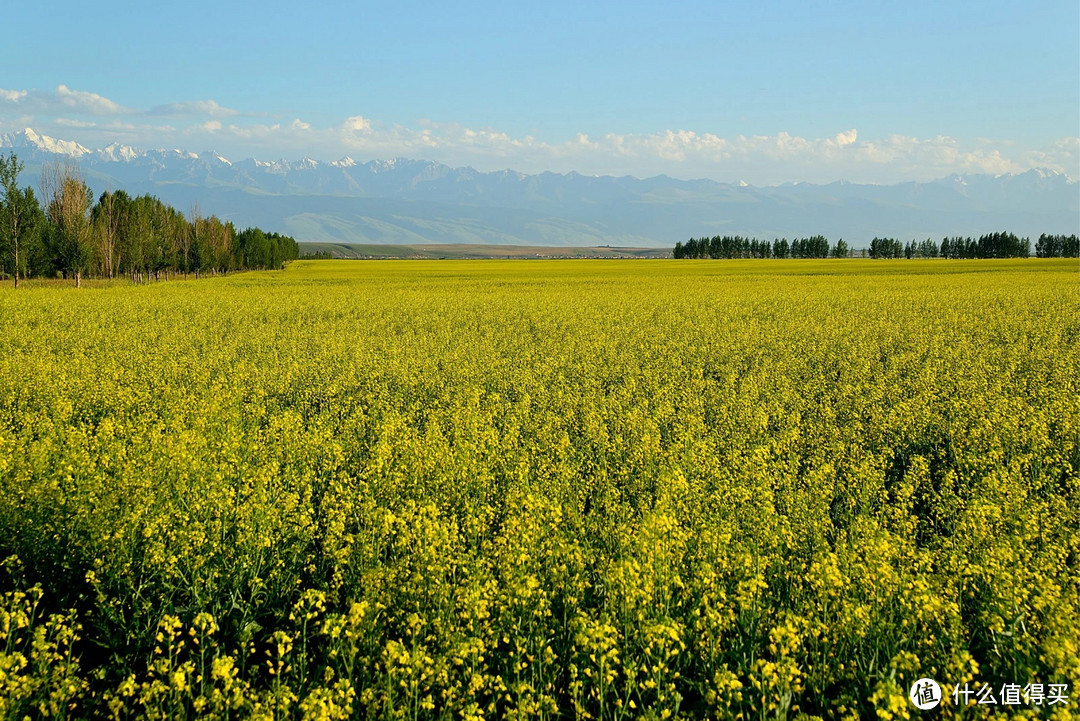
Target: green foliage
{"points": [[736, 246], [992, 245], [20, 220], [141, 237], [39, 674], [1057, 246]]}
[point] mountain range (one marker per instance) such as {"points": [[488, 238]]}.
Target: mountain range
{"points": [[405, 201]]}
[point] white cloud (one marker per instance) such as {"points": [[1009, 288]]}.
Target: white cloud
{"points": [[63, 101], [846, 138], [12, 96], [356, 124], [203, 108], [758, 159], [69, 123], [253, 131], [90, 103], [1062, 155], [940, 155], [7, 124]]}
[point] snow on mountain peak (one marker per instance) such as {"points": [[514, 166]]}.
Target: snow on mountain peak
{"points": [[1045, 173], [28, 138], [379, 166], [118, 153], [345, 162], [214, 158], [178, 153]]}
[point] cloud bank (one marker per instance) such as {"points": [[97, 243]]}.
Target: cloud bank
{"points": [[95, 121], [61, 101]]}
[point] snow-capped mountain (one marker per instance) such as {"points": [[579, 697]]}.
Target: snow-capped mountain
{"points": [[118, 153], [416, 201], [29, 140]]}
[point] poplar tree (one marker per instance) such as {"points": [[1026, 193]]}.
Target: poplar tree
{"points": [[68, 201], [19, 212]]}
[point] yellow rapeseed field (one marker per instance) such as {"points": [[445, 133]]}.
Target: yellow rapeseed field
{"points": [[532, 489]]}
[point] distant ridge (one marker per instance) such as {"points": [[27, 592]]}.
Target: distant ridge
{"points": [[417, 202], [456, 251]]}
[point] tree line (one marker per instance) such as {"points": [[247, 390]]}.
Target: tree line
{"points": [[1057, 246], [991, 245], [736, 246], [61, 231]]}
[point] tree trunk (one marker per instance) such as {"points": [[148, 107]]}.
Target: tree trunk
{"points": [[78, 279]]}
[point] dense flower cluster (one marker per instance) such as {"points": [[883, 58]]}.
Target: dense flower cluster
{"points": [[568, 489]]}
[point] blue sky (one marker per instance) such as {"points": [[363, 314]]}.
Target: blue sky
{"points": [[767, 92]]}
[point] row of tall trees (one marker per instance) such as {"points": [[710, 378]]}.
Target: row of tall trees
{"points": [[736, 246], [991, 245], [1057, 246], [63, 231], [893, 248]]}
